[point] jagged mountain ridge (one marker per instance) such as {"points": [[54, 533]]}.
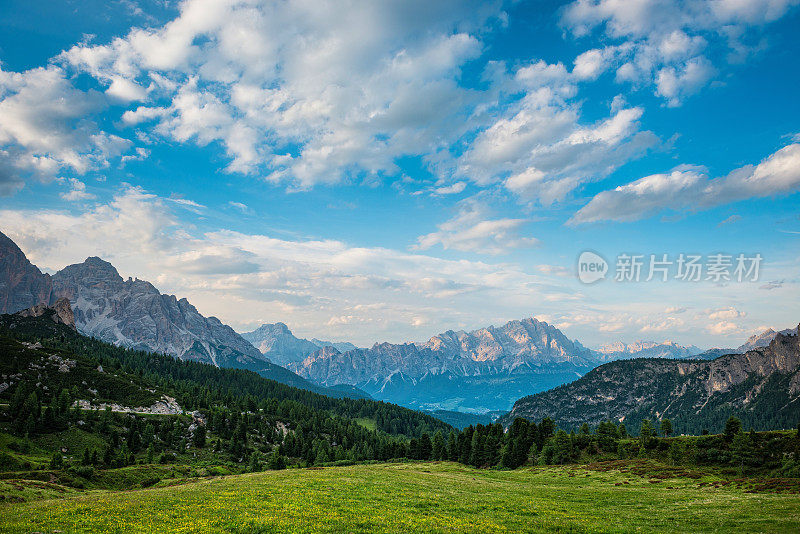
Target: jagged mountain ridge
{"points": [[758, 384], [22, 284], [645, 349], [276, 342], [476, 371], [761, 340]]}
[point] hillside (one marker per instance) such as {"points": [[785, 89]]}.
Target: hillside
{"points": [[28, 343], [762, 387]]}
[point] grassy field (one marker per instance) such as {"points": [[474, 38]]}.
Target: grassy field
{"points": [[420, 497]]}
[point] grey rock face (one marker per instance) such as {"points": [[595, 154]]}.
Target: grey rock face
{"points": [[60, 312], [276, 342], [133, 313], [22, 284]]}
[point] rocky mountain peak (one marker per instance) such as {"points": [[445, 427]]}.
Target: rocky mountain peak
{"points": [[274, 329], [91, 270], [60, 312], [761, 340]]}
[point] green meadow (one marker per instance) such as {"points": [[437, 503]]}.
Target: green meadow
{"points": [[419, 497]]}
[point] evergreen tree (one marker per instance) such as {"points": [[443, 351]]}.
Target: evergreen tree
{"points": [[199, 436], [562, 448], [439, 446], [452, 446], [732, 427], [666, 427], [425, 447]]}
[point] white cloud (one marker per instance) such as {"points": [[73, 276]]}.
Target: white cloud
{"points": [[452, 189], [693, 190], [725, 313], [247, 278], [303, 92], [538, 147], [472, 231], [722, 328], [667, 43], [77, 191], [45, 129], [239, 206]]}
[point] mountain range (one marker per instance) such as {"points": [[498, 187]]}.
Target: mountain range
{"points": [[762, 386], [276, 342], [132, 313], [481, 371]]}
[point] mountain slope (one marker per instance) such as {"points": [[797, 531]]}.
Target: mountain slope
{"points": [[761, 386], [133, 313], [22, 284], [33, 348]]}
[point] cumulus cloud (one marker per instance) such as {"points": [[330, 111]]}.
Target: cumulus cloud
{"points": [[77, 191], [666, 44], [303, 92], [539, 148], [45, 128], [725, 313], [472, 230], [691, 189]]}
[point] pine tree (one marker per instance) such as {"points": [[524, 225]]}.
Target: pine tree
{"points": [[732, 427], [439, 446], [666, 427], [425, 447]]}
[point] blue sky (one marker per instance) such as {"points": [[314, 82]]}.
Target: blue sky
{"points": [[373, 171]]}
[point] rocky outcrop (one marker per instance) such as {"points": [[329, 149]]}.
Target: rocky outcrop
{"points": [[22, 284], [761, 381], [60, 312], [165, 406]]}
